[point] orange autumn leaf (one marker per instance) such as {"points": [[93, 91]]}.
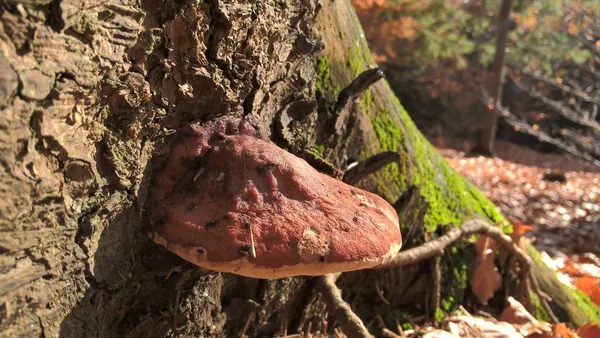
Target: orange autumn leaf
{"points": [[590, 286], [519, 230], [589, 330], [561, 330], [571, 268]]}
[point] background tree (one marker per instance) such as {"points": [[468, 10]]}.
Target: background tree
{"points": [[438, 62], [488, 134]]}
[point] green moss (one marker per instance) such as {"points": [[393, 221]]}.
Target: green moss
{"points": [[540, 311], [324, 87], [390, 138], [439, 315], [579, 307], [355, 61], [457, 284], [366, 101], [317, 150], [451, 199], [585, 303], [323, 83]]}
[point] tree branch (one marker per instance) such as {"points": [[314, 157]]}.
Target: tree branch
{"points": [[573, 89], [558, 107], [524, 127]]}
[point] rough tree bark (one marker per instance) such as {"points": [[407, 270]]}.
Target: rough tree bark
{"points": [[90, 92]]}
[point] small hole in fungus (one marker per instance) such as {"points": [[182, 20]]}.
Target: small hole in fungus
{"points": [[292, 244], [354, 219], [211, 224], [245, 250], [321, 259], [216, 139], [201, 251], [247, 225], [263, 169]]}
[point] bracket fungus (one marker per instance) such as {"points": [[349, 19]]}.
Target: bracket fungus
{"points": [[228, 200]]}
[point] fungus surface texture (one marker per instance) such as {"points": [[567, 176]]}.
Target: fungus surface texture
{"points": [[228, 200]]}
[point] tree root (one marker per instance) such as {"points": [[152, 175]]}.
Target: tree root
{"points": [[353, 326], [350, 323], [437, 246]]}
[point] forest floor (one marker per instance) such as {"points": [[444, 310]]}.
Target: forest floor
{"points": [[529, 187], [559, 198]]}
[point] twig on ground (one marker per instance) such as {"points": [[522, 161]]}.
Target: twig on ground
{"points": [[399, 327], [436, 288], [525, 287], [308, 329], [380, 294], [247, 324], [347, 319], [389, 333], [437, 246], [543, 298]]}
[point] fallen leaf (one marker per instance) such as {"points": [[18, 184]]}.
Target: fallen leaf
{"points": [[484, 328], [560, 330], [516, 314], [519, 230], [589, 330], [486, 279], [590, 286]]}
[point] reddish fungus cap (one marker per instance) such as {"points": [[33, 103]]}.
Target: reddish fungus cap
{"points": [[228, 200]]}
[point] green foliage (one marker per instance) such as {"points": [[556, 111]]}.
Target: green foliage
{"points": [[448, 33]]}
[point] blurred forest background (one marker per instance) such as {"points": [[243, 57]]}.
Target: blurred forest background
{"points": [[439, 58]]}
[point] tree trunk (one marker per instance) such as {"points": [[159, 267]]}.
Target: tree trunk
{"points": [[91, 92], [494, 88]]}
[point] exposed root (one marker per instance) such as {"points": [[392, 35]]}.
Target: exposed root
{"points": [[247, 324], [543, 298], [437, 246], [350, 323]]}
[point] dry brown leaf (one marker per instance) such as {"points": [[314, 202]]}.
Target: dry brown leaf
{"points": [[467, 325], [486, 279], [523, 321]]}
